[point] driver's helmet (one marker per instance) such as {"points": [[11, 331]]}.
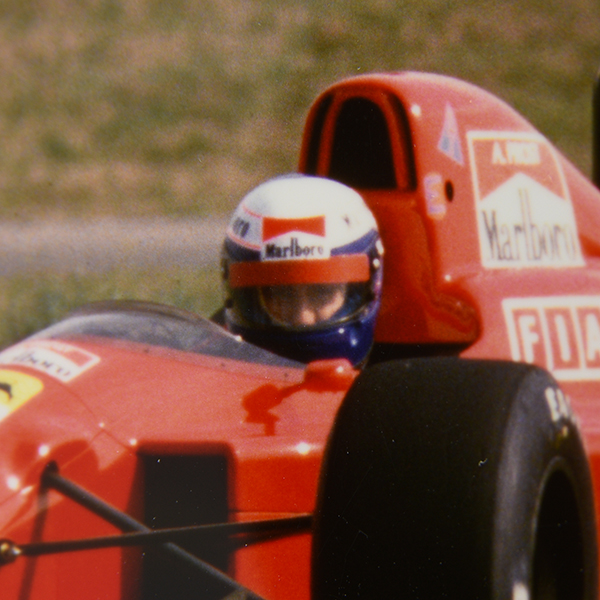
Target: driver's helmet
{"points": [[302, 267]]}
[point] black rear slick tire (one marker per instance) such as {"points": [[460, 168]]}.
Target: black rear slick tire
{"points": [[448, 478]]}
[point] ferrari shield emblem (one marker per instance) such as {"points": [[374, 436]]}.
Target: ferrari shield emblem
{"points": [[15, 390]]}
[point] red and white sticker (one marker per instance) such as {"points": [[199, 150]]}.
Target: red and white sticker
{"points": [[287, 239], [280, 238], [559, 333], [57, 359], [524, 213]]}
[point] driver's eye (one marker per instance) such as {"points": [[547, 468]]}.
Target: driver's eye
{"points": [[325, 293], [305, 304], [280, 294]]}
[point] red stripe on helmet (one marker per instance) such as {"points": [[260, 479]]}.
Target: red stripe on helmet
{"points": [[273, 227], [346, 268]]}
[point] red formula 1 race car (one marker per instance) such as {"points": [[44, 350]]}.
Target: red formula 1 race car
{"points": [[146, 453]]}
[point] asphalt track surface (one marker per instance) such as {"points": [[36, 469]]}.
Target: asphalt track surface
{"points": [[71, 245]]}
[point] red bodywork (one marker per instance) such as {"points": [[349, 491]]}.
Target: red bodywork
{"points": [[492, 244]]}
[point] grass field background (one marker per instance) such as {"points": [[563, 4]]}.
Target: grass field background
{"points": [[178, 107]]}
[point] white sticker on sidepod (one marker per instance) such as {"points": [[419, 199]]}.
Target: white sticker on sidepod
{"points": [[57, 359], [524, 213]]}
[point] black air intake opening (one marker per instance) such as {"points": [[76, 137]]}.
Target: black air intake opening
{"points": [[180, 491]]}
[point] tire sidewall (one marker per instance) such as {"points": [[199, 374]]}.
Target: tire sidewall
{"points": [[541, 440]]}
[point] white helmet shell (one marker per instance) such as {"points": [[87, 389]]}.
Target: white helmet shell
{"points": [[299, 217]]}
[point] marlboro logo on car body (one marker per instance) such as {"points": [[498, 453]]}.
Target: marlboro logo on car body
{"points": [[524, 212]]}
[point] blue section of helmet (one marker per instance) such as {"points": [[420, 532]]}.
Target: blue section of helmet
{"points": [[237, 253], [359, 246], [351, 340]]}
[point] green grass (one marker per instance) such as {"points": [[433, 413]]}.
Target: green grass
{"points": [[178, 107], [29, 303]]}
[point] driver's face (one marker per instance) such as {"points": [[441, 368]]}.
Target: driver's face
{"points": [[306, 304]]}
